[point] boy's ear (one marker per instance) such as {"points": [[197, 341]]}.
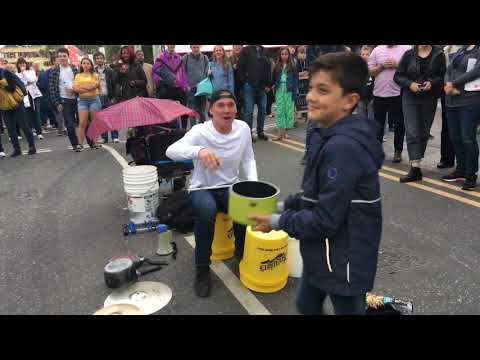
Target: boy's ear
{"points": [[351, 101]]}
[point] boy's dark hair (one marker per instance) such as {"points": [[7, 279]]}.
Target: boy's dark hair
{"points": [[63, 50], [349, 70], [97, 54]]}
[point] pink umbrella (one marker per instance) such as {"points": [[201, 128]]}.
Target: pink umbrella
{"points": [[139, 111]]}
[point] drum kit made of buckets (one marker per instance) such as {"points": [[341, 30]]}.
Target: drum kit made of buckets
{"points": [[268, 260]]}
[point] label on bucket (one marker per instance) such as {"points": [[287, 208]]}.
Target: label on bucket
{"points": [[136, 204], [147, 203]]}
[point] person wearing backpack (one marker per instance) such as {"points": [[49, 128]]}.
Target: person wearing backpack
{"points": [[217, 148], [170, 78], [12, 94], [196, 68]]}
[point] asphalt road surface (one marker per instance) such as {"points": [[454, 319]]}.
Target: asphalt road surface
{"points": [[62, 213]]}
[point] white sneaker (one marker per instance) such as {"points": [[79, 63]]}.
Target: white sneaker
{"points": [[116, 140], [101, 141], [20, 138], [40, 137], [2, 154]]}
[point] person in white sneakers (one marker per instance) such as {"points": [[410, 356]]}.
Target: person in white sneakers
{"points": [[217, 148]]}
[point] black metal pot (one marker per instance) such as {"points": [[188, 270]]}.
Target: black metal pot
{"points": [[123, 271]]}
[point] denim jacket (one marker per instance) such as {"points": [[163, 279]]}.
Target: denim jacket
{"points": [[222, 79]]}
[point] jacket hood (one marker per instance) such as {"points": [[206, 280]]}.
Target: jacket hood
{"points": [[362, 130]]}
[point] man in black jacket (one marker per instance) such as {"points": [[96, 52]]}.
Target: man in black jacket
{"points": [[107, 89], [255, 74]]}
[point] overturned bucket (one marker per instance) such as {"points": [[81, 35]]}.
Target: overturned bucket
{"points": [[141, 186], [264, 266]]}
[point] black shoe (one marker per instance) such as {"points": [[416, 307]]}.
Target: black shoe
{"points": [[203, 282], [32, 150], [262, 136], [397, 157], [16, 153], [454, 176], [470, 183], [415, 174], [442, 165]]}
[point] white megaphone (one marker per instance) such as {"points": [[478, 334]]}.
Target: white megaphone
{"points": [[164, 240]]}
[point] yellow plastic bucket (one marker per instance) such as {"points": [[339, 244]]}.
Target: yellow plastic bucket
{"points": [[264, 267], [223, 246]]}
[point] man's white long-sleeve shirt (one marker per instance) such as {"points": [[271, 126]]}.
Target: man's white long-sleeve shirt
{"points": [[233, 149]]}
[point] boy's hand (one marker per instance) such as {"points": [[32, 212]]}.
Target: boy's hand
{"points": [[263, 223]]}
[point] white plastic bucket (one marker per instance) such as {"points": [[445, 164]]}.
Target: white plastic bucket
{"points": [[141, 186], [295, 262]]}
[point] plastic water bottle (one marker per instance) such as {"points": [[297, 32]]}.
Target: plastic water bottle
{"points": [[378, 302], [132, 228], [164, 240]]}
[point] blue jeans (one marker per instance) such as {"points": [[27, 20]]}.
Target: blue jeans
{"points": [[106, 102], [254, 96], [47, 112], [14, 118], [32, 115], [462, 126], [206, 204], [310, 301], [198, 104], [89, 104]]}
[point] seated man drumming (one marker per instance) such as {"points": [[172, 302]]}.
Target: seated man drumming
{"points": [[217, 148]]}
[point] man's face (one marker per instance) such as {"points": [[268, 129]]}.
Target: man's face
{"points": [[140, 56], [62, 59], [36, 67], [223, 112], [237, 49], [171, 48], [365, 54], [100, 61], [326, 101], [125, 56], [195, 49]]}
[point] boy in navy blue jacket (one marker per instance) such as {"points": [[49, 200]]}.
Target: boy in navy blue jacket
{"points": [[338, 216]]}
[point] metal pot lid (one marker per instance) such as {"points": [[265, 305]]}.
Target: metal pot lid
{"points": [[148, 296], [118, 265], [120, 309]]}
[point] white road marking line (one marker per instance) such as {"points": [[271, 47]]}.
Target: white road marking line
{"points": [[121, 160], [241, 293], [38, 151]]}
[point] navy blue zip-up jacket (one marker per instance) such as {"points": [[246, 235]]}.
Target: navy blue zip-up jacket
{"points": [[338, 216]]}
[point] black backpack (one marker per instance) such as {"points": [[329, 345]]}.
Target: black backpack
{"points": [[176, 212]]}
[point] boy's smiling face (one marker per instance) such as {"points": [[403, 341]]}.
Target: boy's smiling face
{"points": [[326, 102]]}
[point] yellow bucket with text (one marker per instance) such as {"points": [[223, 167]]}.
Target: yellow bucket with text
{"points": [[223, 246], [264, 267]]}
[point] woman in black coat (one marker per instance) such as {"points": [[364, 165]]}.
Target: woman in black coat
{"points": [[130, 79], [420, 73]]}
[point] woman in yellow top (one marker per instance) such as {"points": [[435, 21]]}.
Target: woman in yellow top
{"points": [[87, 85]]}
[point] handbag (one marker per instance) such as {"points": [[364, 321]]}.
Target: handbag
{"points": [[204, 87]]}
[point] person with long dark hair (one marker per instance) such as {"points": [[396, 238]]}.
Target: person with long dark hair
{"points": [[32, 106], [463, 113], [285, 86], [420, 75], [86, 85], [130, 79]]}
